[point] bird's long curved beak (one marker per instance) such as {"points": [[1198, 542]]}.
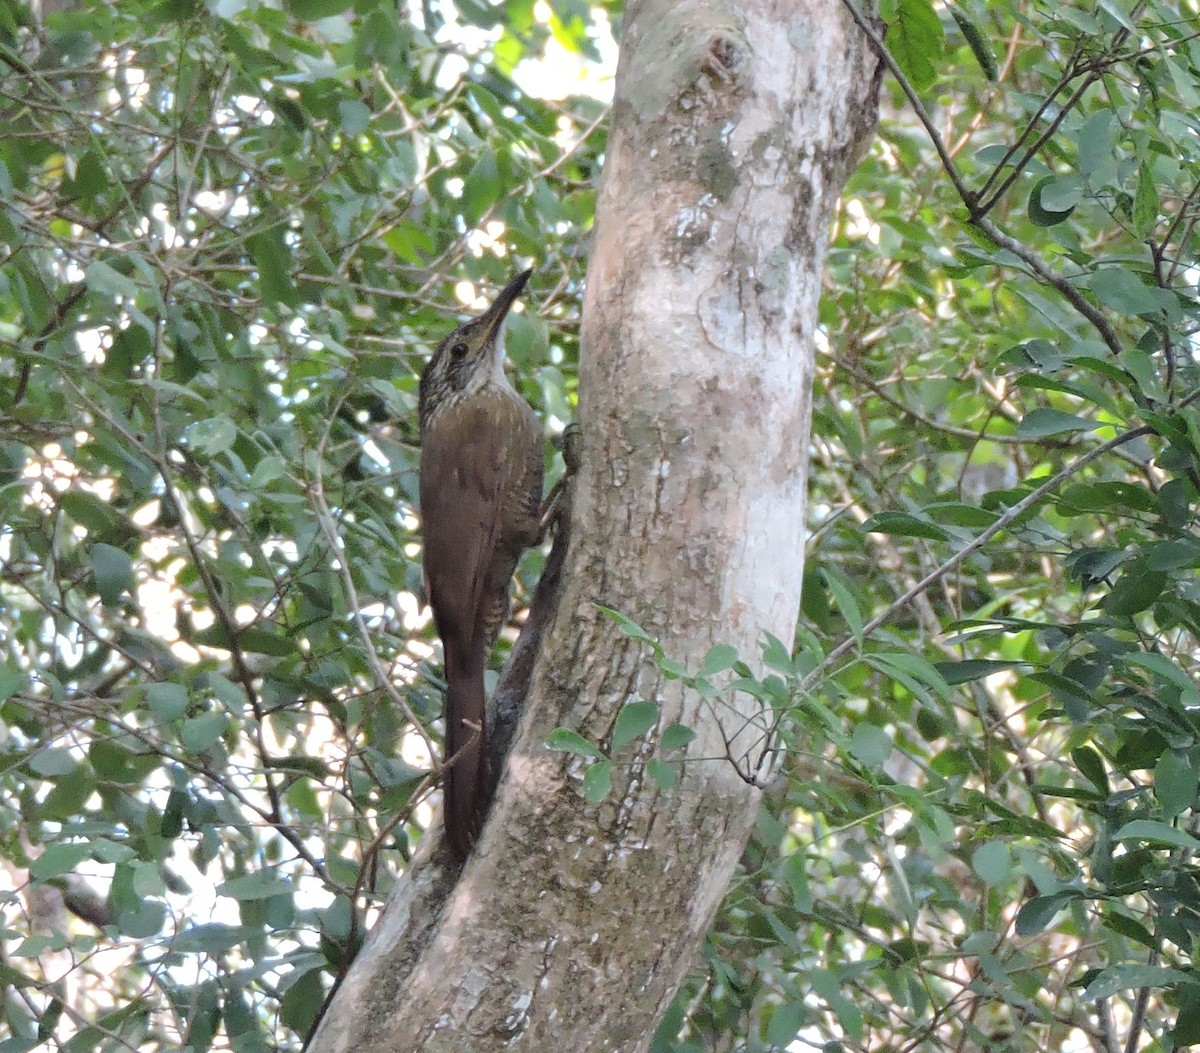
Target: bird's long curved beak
{"points": [[494, 316]]}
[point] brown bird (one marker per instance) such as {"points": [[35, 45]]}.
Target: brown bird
{"points": [[481, 487]]}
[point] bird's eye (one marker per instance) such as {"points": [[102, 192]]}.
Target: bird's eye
{"points": [[458, 350]]}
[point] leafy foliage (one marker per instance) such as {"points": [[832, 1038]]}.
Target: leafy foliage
{"points": [[233, 236]]}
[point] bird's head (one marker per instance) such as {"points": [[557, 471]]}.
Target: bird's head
{"points": [[471, 355]]}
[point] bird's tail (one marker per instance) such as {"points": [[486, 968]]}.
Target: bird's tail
{"points": [[466, 751]]}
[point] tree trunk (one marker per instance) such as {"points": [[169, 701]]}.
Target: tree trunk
{"points": [[734, 127]]}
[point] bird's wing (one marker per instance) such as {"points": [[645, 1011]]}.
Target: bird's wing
{"points": [[462, 475]]}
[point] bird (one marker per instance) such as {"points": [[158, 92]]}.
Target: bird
{"points": [[481, 467]]}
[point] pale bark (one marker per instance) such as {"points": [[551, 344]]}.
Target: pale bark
{"points": [[734, 128]]}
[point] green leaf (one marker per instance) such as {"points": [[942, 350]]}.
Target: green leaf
{"points": [[1125, 292], [1144, 371], [1041, 422], [59, 859], [1172, 555], [670, 668], [64, 802], [201, 733], [232, 695], [52, 763], [597, 781], [302, 1001], [256, 640], [212, 436], [1096, 142], [102, 278], [90, 178], [167, 701], [794, 872], [274, 262], [844, 598], [1130, 927], [1135, 591], [1186, 1031], [114, 763], [266, 471], [112, 570], [1160, 666], [311, 10], [912, 670], [915, 40], [1036, 915], [786, 1023], [972, 669], [261, 885], [1175, 783], [1091, 765], [147, 879], [1118, 978], [955, 513], [89, 511], [481, 187], [634, 720], [628, 626], [212, 938], [1156, 833], [901, 524], [992, 862], [1078, 19], [105, 850], [870, 745], [776, 656], [1121, 17], [719, 658], [130, 348], [1109, 497], [676, 736], [12, 680], [355, 115], [662, 774], [977, 41], [1052, 200], [568, 741], [827, 985], [1145, 203], [144, 921]]}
